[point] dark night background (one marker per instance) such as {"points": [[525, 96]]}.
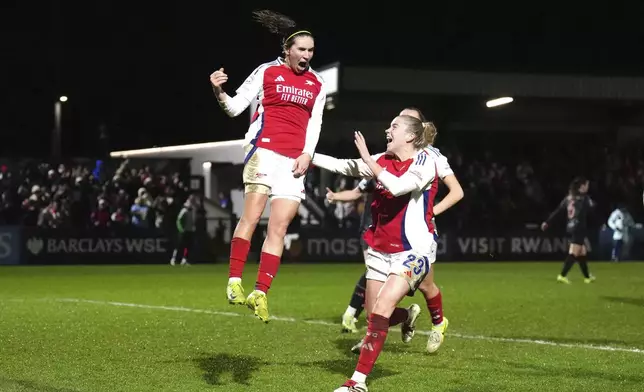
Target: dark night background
{"points": [[142, 70]]}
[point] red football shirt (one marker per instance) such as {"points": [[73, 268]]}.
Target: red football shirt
{"points": [[289, 112], [404, 222]]}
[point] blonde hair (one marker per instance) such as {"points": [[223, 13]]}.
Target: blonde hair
{"points": [[424, 131], [429, 132]]}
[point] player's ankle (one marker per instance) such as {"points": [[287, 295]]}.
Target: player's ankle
{"points": [[359, 377], [350, 312]]}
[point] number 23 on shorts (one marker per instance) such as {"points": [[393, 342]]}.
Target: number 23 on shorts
{"points": [[418, 265]]}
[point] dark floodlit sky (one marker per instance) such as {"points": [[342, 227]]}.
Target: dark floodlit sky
{"points": [[142, 70]]}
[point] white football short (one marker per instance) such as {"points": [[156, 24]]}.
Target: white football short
{"points": [[273, 172], [411, 265]]}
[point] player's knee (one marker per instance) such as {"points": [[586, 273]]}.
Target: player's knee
{"points": [[277, 228], [426, 285], [428, 290], [250, 216], [283, 210], [248, 220], [384, 306], [254, 205]]}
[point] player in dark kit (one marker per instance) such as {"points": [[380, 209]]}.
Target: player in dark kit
{"points": [[186, 225], [356, 305], [577, 205]]}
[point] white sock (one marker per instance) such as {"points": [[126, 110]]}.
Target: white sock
{"points": [[234, 280], [359, 377], [351, 311], [260, 291]]}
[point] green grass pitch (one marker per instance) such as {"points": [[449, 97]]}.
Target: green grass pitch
{"points": [[158, 328]]}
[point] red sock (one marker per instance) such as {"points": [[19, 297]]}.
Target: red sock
{"points": [[400, 315], [239, 248], [435, 306], [373, 343], [268, 266]]}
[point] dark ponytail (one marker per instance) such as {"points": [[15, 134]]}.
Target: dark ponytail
{"points": [[281, 25]]}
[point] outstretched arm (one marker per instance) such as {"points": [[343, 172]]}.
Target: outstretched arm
{"points": [[421, 173], [350, 195], [347, 167]]}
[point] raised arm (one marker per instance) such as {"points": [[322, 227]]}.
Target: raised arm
{"points": [[249, 90]]}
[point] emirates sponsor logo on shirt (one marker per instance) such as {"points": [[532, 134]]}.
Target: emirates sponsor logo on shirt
{"points": [[294, 94]]}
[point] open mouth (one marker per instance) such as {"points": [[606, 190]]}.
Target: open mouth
{"points": [[389, 139], [303, 64]]}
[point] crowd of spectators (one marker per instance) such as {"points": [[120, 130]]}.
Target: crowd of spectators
{"points": [[507, 183], [84, 194]]}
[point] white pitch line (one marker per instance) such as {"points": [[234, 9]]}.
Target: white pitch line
{"points": [[322, 322]]}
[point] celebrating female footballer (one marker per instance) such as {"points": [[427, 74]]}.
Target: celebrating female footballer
{"points": [[431, 292], [280, 143], [401, 243]]}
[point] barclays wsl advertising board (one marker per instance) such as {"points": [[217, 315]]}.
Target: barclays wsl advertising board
{"points": [[61, 246], [9, 245]]}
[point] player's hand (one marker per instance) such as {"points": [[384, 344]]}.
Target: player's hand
{"points": [[544, 226], [301, 165], [330, 195], [361, 144], [218, 78]]}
